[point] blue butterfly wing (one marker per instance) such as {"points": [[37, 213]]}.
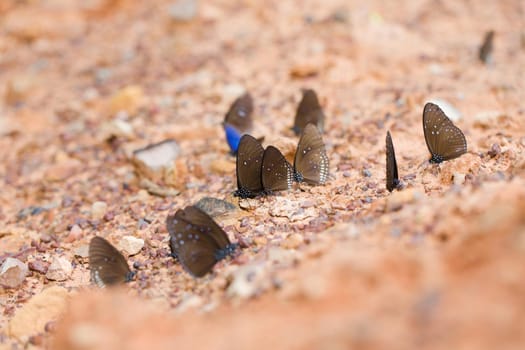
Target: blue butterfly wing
{"points": [[233, 136]]}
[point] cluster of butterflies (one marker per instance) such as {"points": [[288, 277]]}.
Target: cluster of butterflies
{"points": [[198, 242], [444, 141], [262, 171]]}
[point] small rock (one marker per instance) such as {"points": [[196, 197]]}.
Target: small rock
{"points": [[260, 241], [98, 210], [366, 173], [82, 251], [459, 179], [248, 203], [39, 266], [158, 155], [183, 10], [306, 67], [74, 234], [222, 166], [128, 99], [18, 89], [488, 119], [450, 111], [131, 245], [215, 207], [59, 270], [495, 149], [12, 273], [231, 91], [281, 256], [397, 199], [37, 312], [248, 281], [117, 128], [293, 241]]}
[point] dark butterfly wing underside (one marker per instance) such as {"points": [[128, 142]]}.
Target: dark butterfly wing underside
{"points": [[240, 113], [249, 165], [308, 111], [444, 140], [392, 178], [277, 173], [311, 162], [196, 240], [108, 266]]}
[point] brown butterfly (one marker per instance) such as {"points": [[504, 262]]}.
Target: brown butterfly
{"points": [[108, 266]]}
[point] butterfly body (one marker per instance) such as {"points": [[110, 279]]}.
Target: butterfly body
{"points": [[197, 241], [444, 140], [311, 162], [107, 265], [249, 167], [392, 177]]}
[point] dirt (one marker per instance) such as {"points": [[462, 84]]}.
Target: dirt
{"points": [[438, 264]]}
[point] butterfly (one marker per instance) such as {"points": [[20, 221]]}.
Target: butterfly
{"points": [[311, 161], [108, 266], [485, 50], [238, 121], [249, 167], [392, 178], [277, 174], [197, 241], [444, 140], [308, 111]]}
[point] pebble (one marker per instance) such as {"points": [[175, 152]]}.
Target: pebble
{"points": [[158, 155], [397, 199], [260, 241], [33, 316], [117, 128], [293, 241], [459, 179], [59, 270], [222, 167], [74, 234], [18, 89], [215, 207], [12, 273], [98, 210], [39, 266], [128, 99], [183, 10], [130, 244], [248, 281], [495, 149], [82, 251]]}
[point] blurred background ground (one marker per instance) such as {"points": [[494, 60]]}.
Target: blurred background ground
{"points": [[438, 265]]}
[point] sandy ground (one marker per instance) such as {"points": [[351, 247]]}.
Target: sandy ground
{"points": [[440, 264]]}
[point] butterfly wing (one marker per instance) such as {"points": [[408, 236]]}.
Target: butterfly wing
{"points": [[308, 111], [196, 240], [277, 173], [392, 178], [233, 137], [240, 114], [444, 140], [311, 162], [248, 167], [108, 266]]}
